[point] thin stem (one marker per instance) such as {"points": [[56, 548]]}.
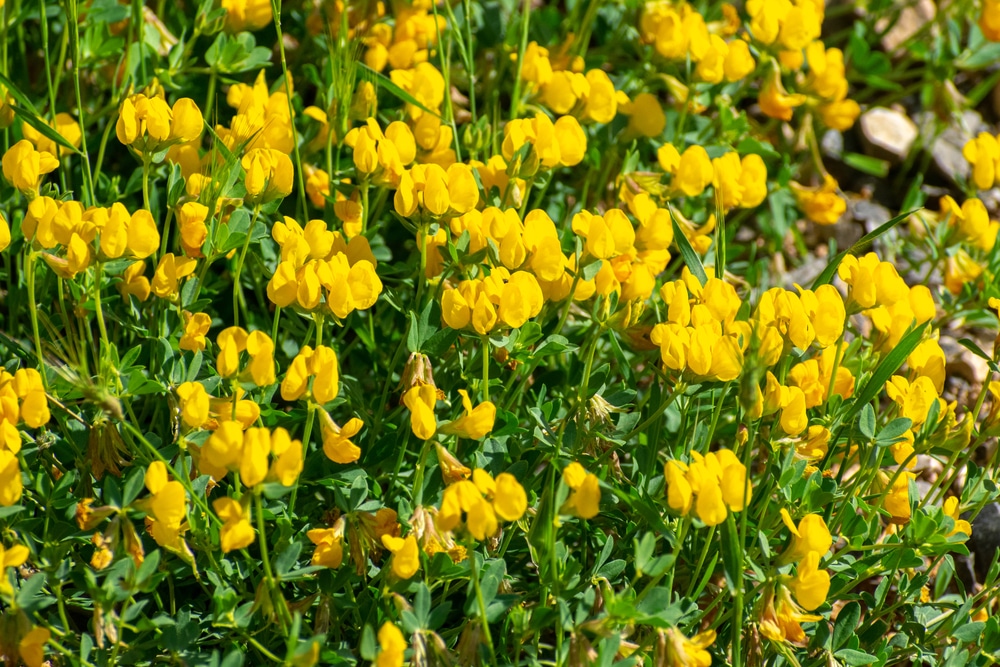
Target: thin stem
{"points": [[237, 287], [276, 12], [486, 368], [272, 583], [33, 313], [480, 601]]}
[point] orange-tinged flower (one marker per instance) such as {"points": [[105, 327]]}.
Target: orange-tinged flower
{"points": [[774, 100]]}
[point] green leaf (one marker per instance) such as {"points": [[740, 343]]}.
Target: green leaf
{"points": [[691, 258], [889, 365], [866, 423], [395, 90], [847, 621], [969, 632], [34, 121], [867, 164], [894, 430], [854, 658], [732, 562], [16, 93], [831, 269]]}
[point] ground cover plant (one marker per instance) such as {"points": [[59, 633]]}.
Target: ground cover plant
{"points": [[499, 332]]}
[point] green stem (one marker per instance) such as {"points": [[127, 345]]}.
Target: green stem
{"points": [[276, 12], [486, 368], [237, 288], [33, 314], [515, 99], [272, 583], [480, 601]]}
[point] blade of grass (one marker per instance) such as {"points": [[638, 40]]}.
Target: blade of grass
{"points": [[691, 258]]}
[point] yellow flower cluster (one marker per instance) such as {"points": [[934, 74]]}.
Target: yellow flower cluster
{"points": [[712, 484], [319, 268], [482, 501]]}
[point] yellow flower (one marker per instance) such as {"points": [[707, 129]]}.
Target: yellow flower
{"points": [[821, 205], [392, 646], [914, 399], [713, 484], [247, 15], [168, 504], [169, 272], [684, 652], [585, 498], [739, 62], [694, 171], [194, 403], [600, 102], [236, 531], [254, 456], [32, 646], [983, 153], [4, 233], [148, 125], [13, 557], [260, 347], [961, 525], [24, 167], [475, 423], [811, 534], [928, 359], [288, 454], [421, 399], [231, 341], [191, 221], [896, 498], [222, 451], [811, 584], [961, 270], [134, 282], [645, 116], [989, 20], [10, 479], [781, 619], [680, 496], [774, 100], [269, 175], [329, 550], [196, 327], [405, 554], [337, 443]]}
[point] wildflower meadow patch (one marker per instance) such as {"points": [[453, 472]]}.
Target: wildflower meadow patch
{"points": [[497, 332]]}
